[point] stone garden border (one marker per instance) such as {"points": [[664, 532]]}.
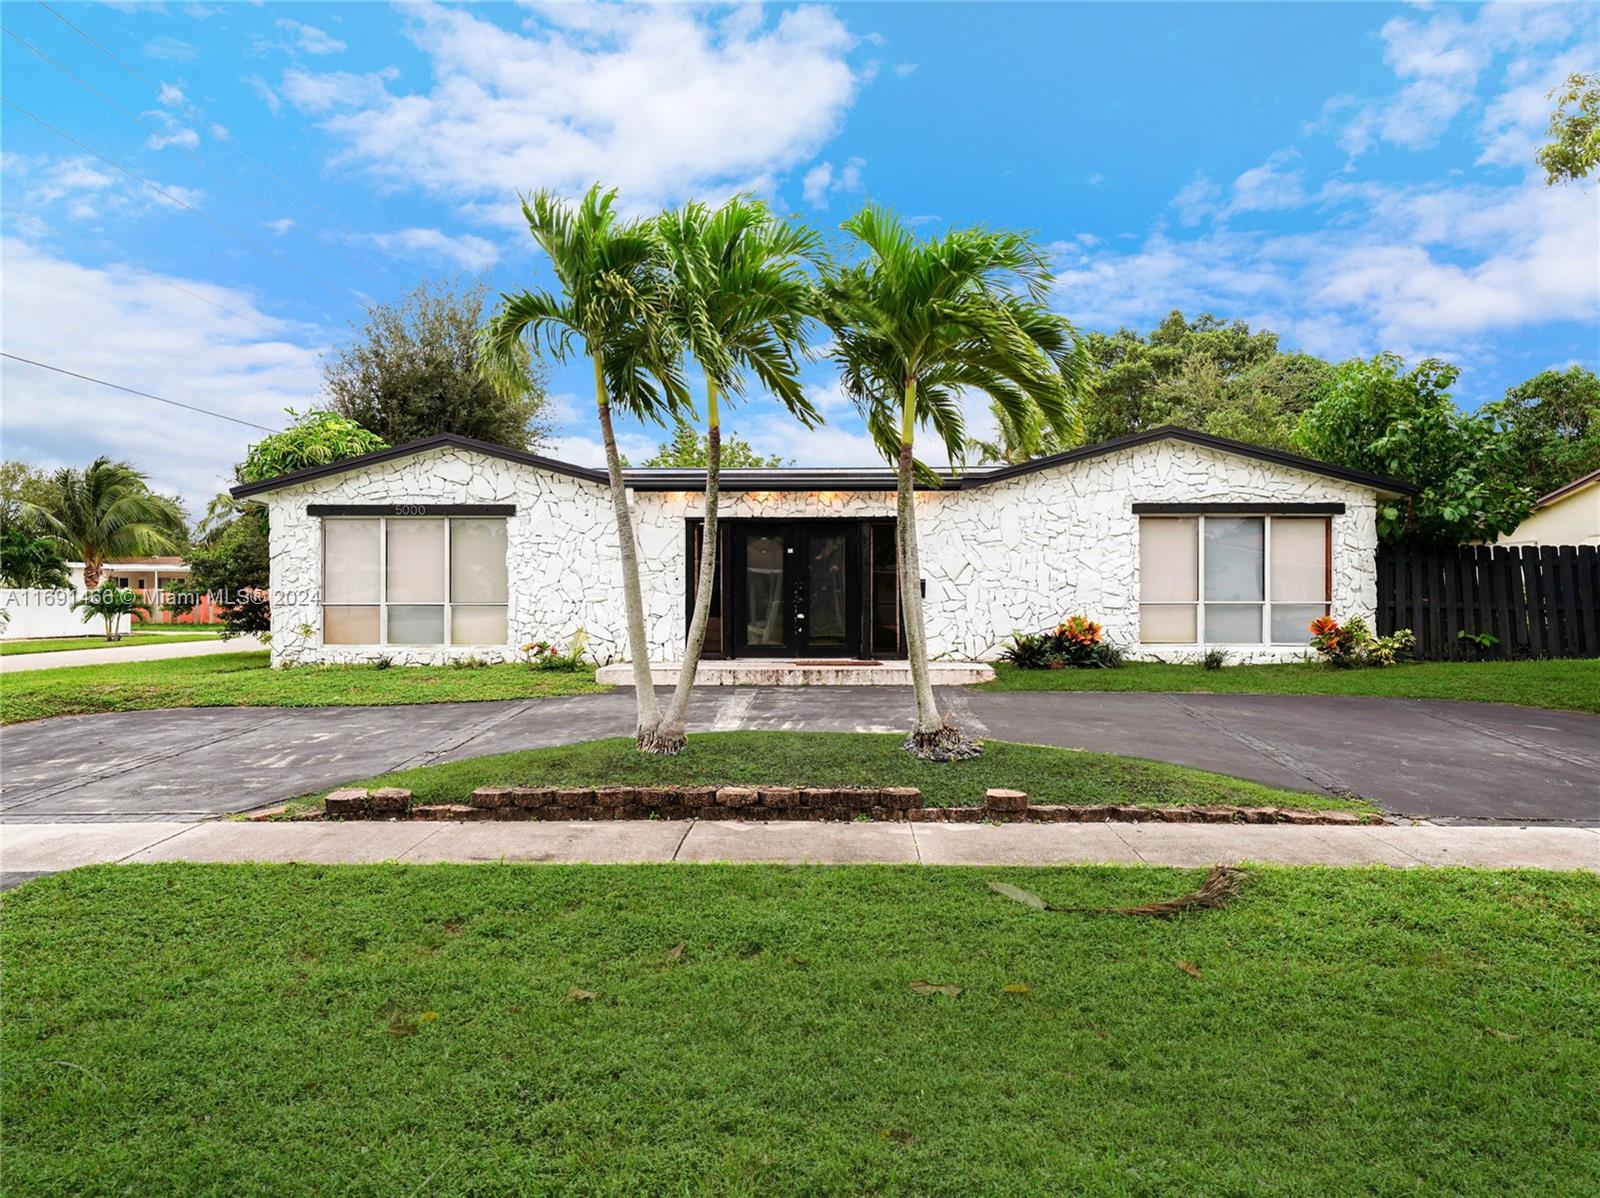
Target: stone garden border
{"points": [[762, 803]]}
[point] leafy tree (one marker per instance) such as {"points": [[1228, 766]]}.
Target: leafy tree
{"points": [[316, 439], [689, 449], [412, 372], [611, 308], [1018, 438], [1574, 147], [22, 487], [739, 302], [107, 512], [916, 323], [1135, 377], [111, 603], [31, 561], [1552, 424], [1377, 416], [234, 566], [1261, 404]]}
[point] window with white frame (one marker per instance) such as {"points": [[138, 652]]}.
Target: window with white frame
{"points": [[390, 580], [1232, 579]]}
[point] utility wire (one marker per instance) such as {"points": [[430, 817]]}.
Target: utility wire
{"points": [[144, 394], [165, 282], [137, 74], [167, 195]]}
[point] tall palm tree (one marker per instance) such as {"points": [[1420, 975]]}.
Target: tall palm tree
{"points": [[1018, 438], [916, 324], [612, 309], [742, 295], [105, 512]]}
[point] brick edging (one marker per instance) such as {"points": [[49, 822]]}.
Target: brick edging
{"points": [[763, 803]]}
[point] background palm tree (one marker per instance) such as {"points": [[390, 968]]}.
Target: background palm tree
{"points": [[1019, 438], [111, 603], [917, 323], [742, 295], [611, 308], [107, 512]]}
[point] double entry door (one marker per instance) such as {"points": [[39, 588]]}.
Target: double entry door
{"points": [[797, 588]]}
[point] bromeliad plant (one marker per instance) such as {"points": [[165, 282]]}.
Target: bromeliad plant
{"points": [[1351, 645], [547, 655], [1076, 643]]}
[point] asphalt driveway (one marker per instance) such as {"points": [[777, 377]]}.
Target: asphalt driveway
{"points": [[1435, 759]]}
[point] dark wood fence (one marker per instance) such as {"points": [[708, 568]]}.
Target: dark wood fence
{"points": [[1540, 601]]}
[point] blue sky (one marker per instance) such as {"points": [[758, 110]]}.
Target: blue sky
{"points": [[1355, 176]]}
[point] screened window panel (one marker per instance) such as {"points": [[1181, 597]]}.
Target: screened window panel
{"points": [[477, 561], [1291, 622], [350, 626], [412, 624], [415, 567], [1167, 624], [1235, 557], [1168, 561], [1232, 623], [477, 625], [1299, 560], [350, 561]]}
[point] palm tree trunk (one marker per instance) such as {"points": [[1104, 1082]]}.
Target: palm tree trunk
{"points": [[670, 738], [91, 572], [649, 715], [929, 725]]}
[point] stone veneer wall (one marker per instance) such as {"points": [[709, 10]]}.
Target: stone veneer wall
{"points": [[1014, 555]]}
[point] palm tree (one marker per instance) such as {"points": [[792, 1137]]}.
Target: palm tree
{"points": [[741, 299], [915, 325], [612, 309], [1018, 438], [111, 603], [106, 512]]}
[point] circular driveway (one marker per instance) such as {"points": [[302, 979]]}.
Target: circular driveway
{"points": [[1434, 759]]}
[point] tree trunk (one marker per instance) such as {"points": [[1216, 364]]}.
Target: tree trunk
{"points": [[928, 721], [91, 572], [649, 715], [670, 738]]}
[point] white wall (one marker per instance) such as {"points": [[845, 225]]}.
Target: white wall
{"points": [[1014, 555], [45, 613], [1574, 519]]}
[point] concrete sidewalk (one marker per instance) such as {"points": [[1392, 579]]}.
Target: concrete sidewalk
{"points": [[19, 662], [30, 849]]}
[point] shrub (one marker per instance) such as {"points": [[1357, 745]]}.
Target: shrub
{"points": [[545, 655], [1351, 645], [1215, 659], [1076, 643]]}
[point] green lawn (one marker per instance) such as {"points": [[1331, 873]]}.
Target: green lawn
{"points": [[1049, 775], [370, 1030], [1569, 685], [244, 680], [63, 643]]}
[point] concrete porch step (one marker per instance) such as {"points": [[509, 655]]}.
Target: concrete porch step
{"points": [[766, 671]]}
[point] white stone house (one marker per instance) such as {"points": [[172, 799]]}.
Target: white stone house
{"points": [[1174, 540]]}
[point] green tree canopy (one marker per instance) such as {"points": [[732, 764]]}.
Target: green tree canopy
{"points": [[412, 372], [233, 565], [1574, 146], [1552, 424], [314, 439], [1377, 416], [22, 488], [690, 449], [27, 560]]}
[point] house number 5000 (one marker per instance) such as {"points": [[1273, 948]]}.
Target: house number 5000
{"points": [[411, 509]]}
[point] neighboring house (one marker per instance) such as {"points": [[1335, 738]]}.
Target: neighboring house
{"points": [[152, 577], [1174, 540], [1569, 515]]}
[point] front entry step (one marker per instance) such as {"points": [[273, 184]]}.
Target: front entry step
{"points": [[769, 672]]}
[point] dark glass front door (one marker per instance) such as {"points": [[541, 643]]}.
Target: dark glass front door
{"points": [[796, 589]]}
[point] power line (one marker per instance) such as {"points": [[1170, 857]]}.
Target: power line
{"points": [[261, 166], [144, 394], [167, 195], [165, 282]]}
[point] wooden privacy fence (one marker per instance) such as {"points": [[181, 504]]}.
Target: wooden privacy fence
{"points": [[1540, 601]]}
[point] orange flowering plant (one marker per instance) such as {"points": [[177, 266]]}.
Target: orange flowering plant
{"points": [[1076, 642], [1351, 644]]}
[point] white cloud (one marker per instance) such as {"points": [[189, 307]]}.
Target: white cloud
{"points": [[263, 89], [148, 336], [80, 188], [822, 181], [280, 226], [463, 250], [903, 69], [659, 101], [1269, 186], [169, 49], [311, 39]]}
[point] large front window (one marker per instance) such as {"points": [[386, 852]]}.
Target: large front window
{"points": [[1232, 580], [389, 580]]}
